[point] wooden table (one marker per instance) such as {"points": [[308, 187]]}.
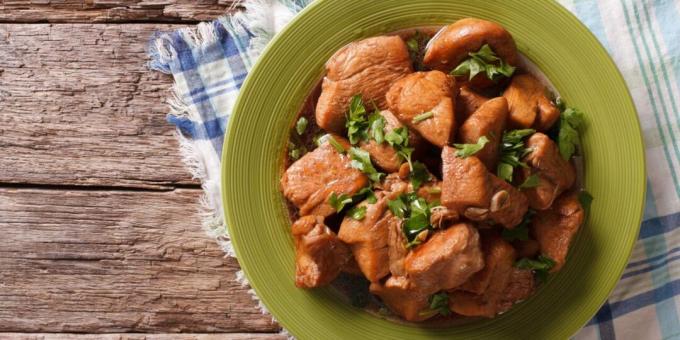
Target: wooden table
{"points": [[99, 224]]}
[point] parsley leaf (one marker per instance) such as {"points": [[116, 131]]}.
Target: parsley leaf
{"points": [[541, 266], [568, 138], [531, 182], [339, 202], [586, 199], [467, 150], [415, 213], [414, 45], [361, 160], [376, 124], [418, 175], [439, 303], [512, 151], [484, 60], [423, 116], [521, 231], [397, 137], [295, 152], [301, 125], [397, 207], [357, 122], [334, 143], [368, 193], [357, 213]]}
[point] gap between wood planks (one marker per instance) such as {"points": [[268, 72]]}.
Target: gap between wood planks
{"points": [[70, 187]]}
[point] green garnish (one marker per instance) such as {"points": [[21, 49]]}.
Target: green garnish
{"points": [[368, 193], [541, 266], [360, 125], [397, 137], [531, 182], [568, 138], [484, 60], [439, 303], [414, 49], [361, 160], [418, 175], [434, 190], [295, 152], [339, 202], [357, 213], [421, 117], [512, 151], [521, 231], [586, 199], [338, 147], [301, 125], [415, 213], [467, 150]]}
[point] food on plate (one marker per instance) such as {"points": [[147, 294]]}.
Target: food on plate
{"points": [[439, 175]]}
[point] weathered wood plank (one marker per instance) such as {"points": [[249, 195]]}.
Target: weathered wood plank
{"points": [[113, 10], [115, 262], [79, 107], [129, 336]]}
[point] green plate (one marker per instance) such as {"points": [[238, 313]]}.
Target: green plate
{"points": [[549, 36]]}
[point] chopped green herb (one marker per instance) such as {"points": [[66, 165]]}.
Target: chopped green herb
{"points": [[339, 202], [361, 160], [295, 152], [368, 193], [521, 231], [418, 175], [439, 303], [568, 138], [512, 151], [357, 122], [541, 266], [531, 182], [357, 213], [334, 143], [586, 199], [423, 116], [415, 212], [484, 60], [434, 190], [319, 139], [415, 44], [397, 137], [301, 125], [397, 207], [376, 124], [467, 150]]}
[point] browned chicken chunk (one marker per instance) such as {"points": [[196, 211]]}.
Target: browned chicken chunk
{"points": [[488, 120], [508, 205], [554, 229], [383, 155], [367, 67], [446, 260], [310, 181], [466, 187], [451, 45], [467, 102], [520, 286], [555, 174], [529, 105], [424, 101], [499, 256], [482, 294], [403, 297], [319, 255]]}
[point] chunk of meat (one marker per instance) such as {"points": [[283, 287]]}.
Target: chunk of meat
{"points": [[368, 238], [367, 67], [467, 102], [489, 121], [466, 187], [423, 92], [397, 250], [383, 155], [529, 105], [310, 181], [446, 260], [403, 297], [319, 255], [556, 175], [451, 45], [499, 257], [508, 205], [554, 229], [520, 287]]}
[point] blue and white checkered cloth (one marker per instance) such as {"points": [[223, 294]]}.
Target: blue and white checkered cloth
{"points": [[210, 63]]}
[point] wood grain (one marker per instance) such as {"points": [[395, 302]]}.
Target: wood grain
{"points": [[129, 336], [30, 11], [78, 106], [115, 262]]}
